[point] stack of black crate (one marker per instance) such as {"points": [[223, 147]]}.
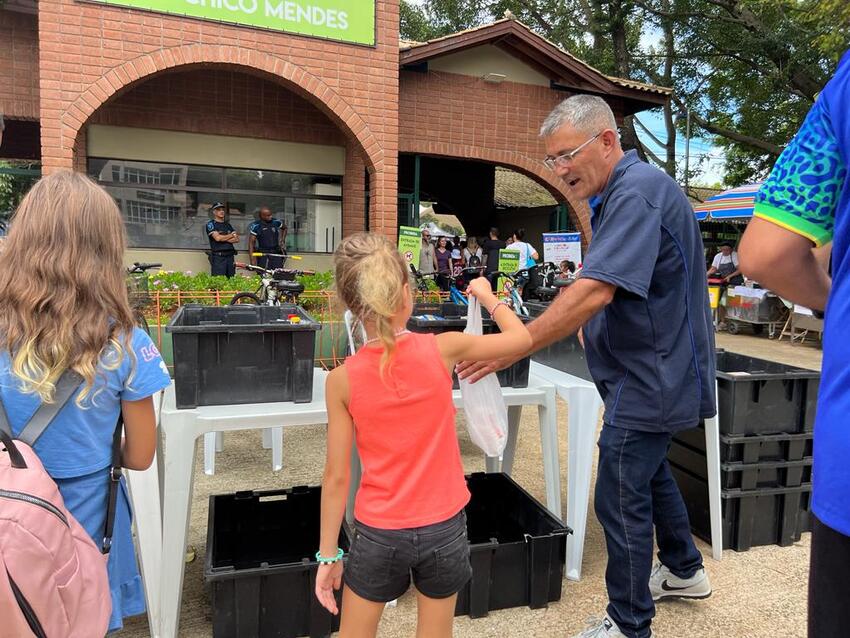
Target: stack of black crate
{"points": [[766, 420]]}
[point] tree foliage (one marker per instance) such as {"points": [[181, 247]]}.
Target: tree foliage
{"points": [[747, 70]]}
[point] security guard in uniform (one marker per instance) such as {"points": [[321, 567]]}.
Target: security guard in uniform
{"points": [[222, 238], [268, 236]]}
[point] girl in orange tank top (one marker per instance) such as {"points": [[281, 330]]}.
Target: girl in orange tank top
{"points": [[409, 520]]}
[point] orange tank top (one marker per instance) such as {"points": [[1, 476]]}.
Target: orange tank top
{"points": [[405, 431]]}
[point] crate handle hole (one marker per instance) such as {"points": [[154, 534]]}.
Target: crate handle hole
{"points": [[273, 497]]}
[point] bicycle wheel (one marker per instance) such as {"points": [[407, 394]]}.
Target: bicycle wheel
{"points": [[245, 298]]}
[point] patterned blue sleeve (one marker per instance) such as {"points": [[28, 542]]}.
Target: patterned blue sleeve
{"points": [[150, 374], [805, 185], [252, 228], [210, 227]]}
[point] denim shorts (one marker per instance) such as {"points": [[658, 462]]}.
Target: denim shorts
{"points": [[382, 561]]}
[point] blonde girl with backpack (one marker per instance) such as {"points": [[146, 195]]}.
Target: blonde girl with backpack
{"points": [[63, 306], [394, 398]]}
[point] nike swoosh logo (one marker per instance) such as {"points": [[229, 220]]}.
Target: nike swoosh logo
{"points": [[667, 587]]}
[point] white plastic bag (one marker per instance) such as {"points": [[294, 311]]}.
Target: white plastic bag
{"points": [[486, 413]]}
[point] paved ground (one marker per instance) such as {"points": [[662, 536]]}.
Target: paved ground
{"points": [[757, 594]]}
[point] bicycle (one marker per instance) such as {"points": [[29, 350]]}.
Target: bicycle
{"points": [[138, 293], [512, 290], [455, 294], [277, 285]]}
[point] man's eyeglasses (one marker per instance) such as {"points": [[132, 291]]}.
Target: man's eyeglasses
{"points": [[565, 159]]}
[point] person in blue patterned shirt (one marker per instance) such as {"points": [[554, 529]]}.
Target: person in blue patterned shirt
{"points": [[805, 203]]}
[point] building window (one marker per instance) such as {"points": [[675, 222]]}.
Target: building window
{"points": [[166, 206]]}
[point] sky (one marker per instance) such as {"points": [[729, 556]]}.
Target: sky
{"points": [[703, 154]]}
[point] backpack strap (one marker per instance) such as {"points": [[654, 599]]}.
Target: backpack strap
{"points": [[46, 412], [114, 484]]}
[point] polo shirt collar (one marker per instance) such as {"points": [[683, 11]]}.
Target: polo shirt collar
{"points": [[631, 157]]}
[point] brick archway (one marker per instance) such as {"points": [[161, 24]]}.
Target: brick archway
{"points": [[299, 80], [533, 169]]}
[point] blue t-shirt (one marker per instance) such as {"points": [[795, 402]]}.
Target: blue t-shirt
{"points": [[807, 192], [651, 350], [79, 440]]}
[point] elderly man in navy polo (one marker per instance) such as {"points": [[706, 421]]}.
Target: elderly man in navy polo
{"points": [[642, 304]]}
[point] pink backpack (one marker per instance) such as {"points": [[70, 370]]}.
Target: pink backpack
{"points": [[53, 579]]}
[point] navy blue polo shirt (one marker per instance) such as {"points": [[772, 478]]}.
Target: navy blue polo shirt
{"points": [[651, 350], [221, 227], [267, 234]]}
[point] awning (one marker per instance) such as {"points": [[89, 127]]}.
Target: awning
{"points": [[736, 202]]}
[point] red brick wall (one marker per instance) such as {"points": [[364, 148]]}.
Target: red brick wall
{"points": [[461, 116], [220, 102], [90, 52], [18, 65]]}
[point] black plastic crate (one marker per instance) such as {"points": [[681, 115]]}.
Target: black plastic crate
{"points": [[743, 476], [260, 564], [451, 317], [753, 448], [242, 354], [517, 548], [764, 397], [752, 518]]}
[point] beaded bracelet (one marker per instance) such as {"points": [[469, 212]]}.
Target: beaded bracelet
{"points": [[496, 305], [330, 561]]}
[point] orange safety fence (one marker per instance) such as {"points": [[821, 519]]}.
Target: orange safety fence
{"points": [[321, 305]]}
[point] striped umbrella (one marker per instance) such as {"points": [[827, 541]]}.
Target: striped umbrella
{"points": [[736, 202]]}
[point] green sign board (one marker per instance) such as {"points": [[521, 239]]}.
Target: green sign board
{"points": [[343, 20], [508, 262], [409, 243]]}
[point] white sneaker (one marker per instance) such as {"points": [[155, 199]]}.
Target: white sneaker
{"points": [[664, 584], [605, 628]]}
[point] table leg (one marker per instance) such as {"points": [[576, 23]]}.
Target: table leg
{"points": [[549, 446], [583, 404], [277, 448], [210, 448], [715, 504], [514, 414], [179, 448], [267, 439], [147, 518], [354, 483]]}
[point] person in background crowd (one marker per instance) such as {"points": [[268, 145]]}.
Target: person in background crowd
{"points": [[472, 250], [443, 258], [63, 305], [409, 509], [804, 203], [490, 249], [458, 265], [268, 236], [527, 259], [725, 265], [642, 297], [223, 239], [427, 259]]}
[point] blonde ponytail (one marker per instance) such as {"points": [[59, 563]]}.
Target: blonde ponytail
{"points": [[370, 275]]}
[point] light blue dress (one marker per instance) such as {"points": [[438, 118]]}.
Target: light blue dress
{"points": [[76, 450]]}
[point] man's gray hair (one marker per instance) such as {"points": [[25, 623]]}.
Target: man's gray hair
{"points": [[586, 113]]}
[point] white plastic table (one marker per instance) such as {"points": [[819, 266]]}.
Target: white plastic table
{"points": [[584, 404], [179, 431]]}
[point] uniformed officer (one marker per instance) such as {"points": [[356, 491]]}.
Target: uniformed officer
{"points": [[222, 238], [268, 236]]}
